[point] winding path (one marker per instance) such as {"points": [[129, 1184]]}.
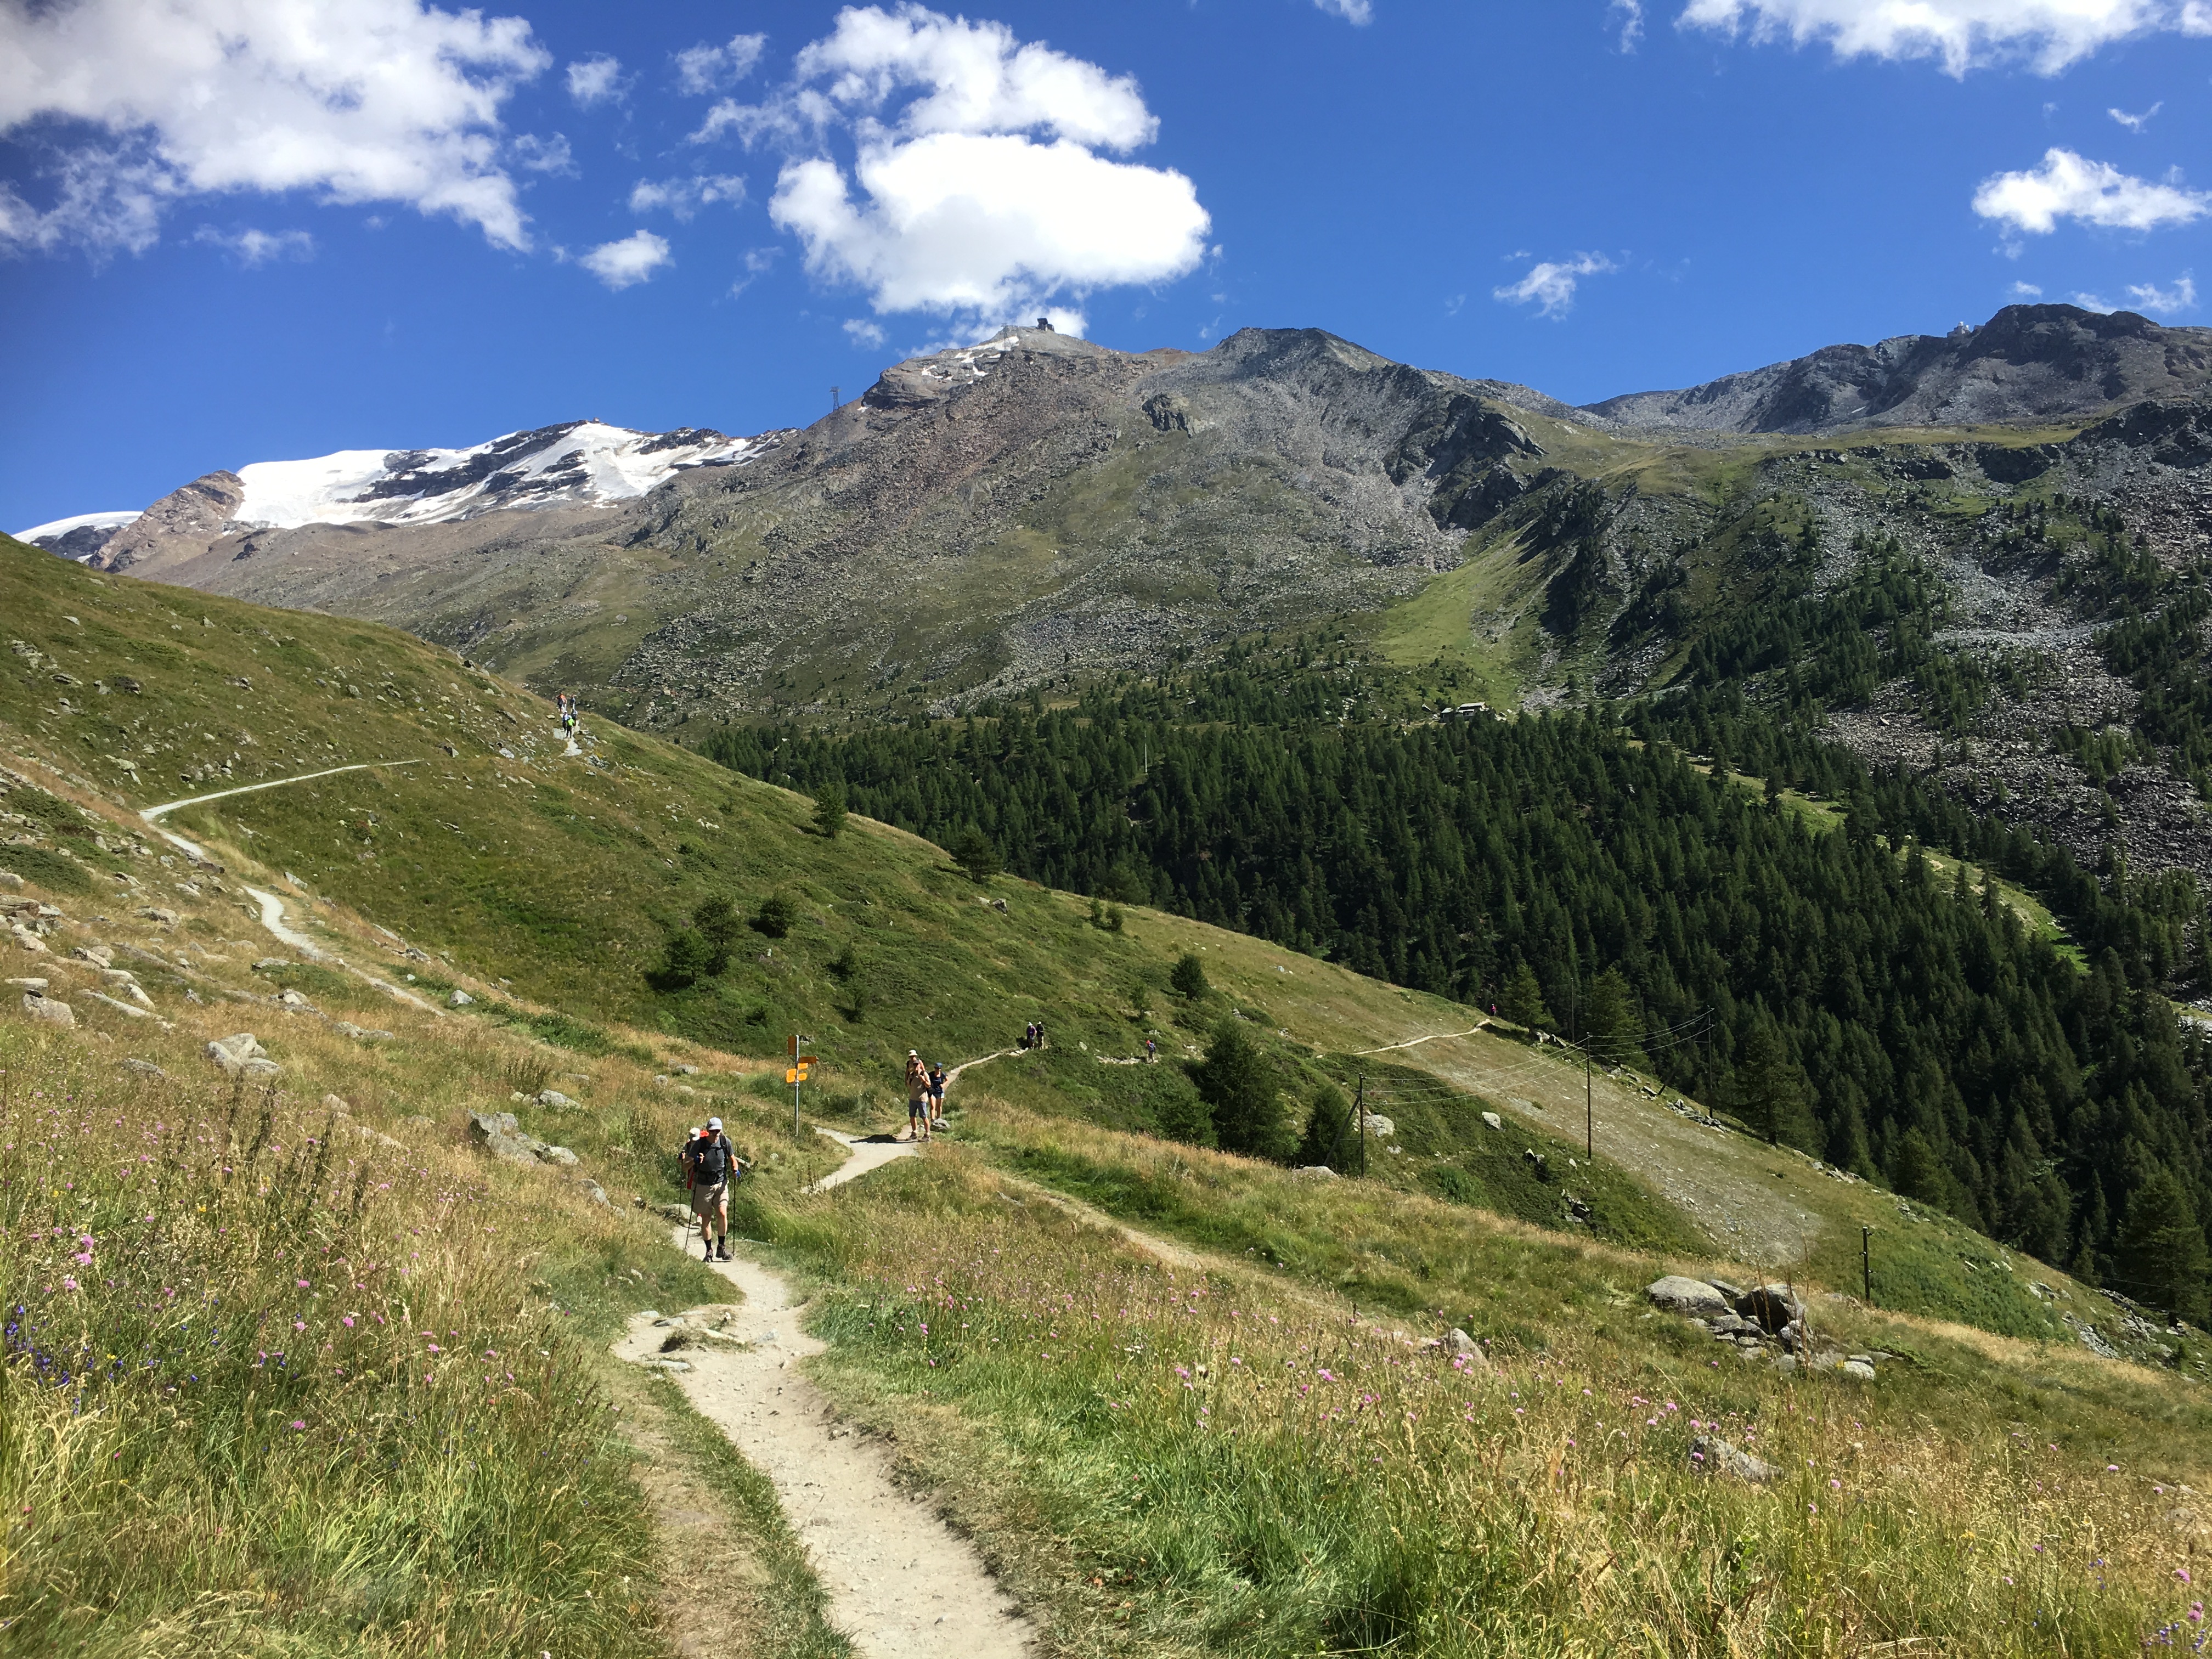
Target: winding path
{"points": [[271, 907]]}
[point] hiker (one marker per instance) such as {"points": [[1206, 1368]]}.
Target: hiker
{"points": [[917, 1097], [1028, 1036], [1151, 1051], [936, 1095], [714, 1165], [1040, 1034]]}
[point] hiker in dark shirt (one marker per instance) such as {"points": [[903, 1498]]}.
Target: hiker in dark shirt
{"points": [[713, 1165]]}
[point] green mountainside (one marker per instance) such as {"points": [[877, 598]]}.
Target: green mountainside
{"points": [[297, 1364]]}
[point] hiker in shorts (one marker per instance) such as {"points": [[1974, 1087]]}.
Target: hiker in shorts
{"points": [[917, 1097], [714, 1165], [937, 1097]]}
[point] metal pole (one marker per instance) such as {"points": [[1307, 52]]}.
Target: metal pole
{"points": [[796, 1042], [1359, 1100], [1590, 1112], [1866, 1261]]}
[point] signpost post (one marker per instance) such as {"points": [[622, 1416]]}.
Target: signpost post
{"points": [[795, 1075]]}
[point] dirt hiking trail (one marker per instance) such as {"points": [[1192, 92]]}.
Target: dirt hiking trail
{"points": [[902, 1583]]}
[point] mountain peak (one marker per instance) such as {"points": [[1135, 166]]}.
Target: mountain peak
{"points": [[2027, 363]]}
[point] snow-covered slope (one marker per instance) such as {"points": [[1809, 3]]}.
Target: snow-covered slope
{"points": [[78, 538], [579, 461]]}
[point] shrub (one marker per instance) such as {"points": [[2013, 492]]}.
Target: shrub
{"points": [[1187, 978], [775, 916]]}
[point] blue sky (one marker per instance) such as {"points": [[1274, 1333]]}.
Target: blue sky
{"points": [[409, 227]]}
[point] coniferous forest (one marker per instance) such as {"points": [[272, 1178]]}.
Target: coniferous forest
{"points": [[1832, 972]]}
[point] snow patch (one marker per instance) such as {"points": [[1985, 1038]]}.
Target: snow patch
{"points": [[81, 521], [580, 461]]}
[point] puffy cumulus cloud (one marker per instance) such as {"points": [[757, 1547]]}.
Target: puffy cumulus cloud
{"points": [[2070, 187], [631, 260], [703, 69], [1963, 34], [1550, 285], [595, 81], [1358, 12], [250, 247], [976, 187], [684, 197], [387, 100]]}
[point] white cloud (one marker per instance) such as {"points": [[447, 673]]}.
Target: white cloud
{"points": [[2068, 186], [538, 154], [258, 247], [759, 261], [593, 81], [1358, 12], [1631, 15], [634, 258], [684, 197], [2024, 291], [1964, 34], [703, 69], [2135, 122], [1551, 286], [390, 101], [2149, 296], [976, 190], [864, 332]]}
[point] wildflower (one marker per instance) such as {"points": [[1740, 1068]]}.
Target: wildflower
{"points": [[298, 1426], [2182, 1573], [67, 1284], [1835, 1485], [2196, 1613]]}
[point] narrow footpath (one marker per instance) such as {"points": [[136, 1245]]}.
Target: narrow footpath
{"points": [[902, 1583]]}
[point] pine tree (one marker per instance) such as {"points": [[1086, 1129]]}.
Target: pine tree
{"points": [[2159, 1254], [830, 811], [1186, 978], [716, 918], [1236, 1082], [1769, 1091], [1613, 1025], [974, 853], [1522, 1001]]}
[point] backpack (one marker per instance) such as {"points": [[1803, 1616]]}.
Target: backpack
{"points": [[712, 1160]]}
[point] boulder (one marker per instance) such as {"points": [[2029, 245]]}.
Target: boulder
{"points": [[460, 1000], [145, 1068], [689, 1071], [1710, 1454], [241, 1056], [101, 955], [155, 913], [1382, 1127], [494, 1123], [1771, 1307], [553, 1097], [47, 1009], [554, 1154], [10, 881], [38, 985], [1688, 1295], [593, 1191], [1733, 1292], [1858, 1368], [265, 964], [293, 1000], [1493, 1120], [1318, 1171]]}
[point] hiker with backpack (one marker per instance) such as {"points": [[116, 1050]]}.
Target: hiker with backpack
{"points": [[937, 1080], [711, 1166]]}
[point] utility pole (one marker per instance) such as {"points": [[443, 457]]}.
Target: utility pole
{"points": [[1360, 1104], [837, 398], [1590, 1112], [1866, 1261]]}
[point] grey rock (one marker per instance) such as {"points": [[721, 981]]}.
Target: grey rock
{"points": [[593, 1191], [157, 913], [555, 1155], [1381, 1128], [103, 955], [1785, 1362], [1859, 1368], [143, 1068], [492, 1123], [1710, 1454], [553, 1097], [334, 1104], [265, 964], [688, 1071], [291, 999], [1493, 1120], [1318, 1171], [459, 999], [1733, 1292], [1771, 1307], [232, 1054], [47, 1009], [1687, 1295]]}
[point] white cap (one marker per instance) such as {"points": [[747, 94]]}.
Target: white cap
{"points": [[713, 1123], [912, 1054], [696, 1132]]}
